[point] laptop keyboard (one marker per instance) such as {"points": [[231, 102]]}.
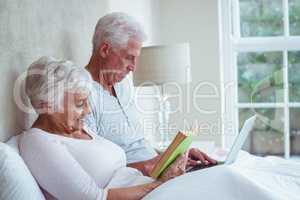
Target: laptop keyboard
{"points": [[200, 166]]}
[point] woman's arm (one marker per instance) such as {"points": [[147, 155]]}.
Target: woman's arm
{"points": [[132, 193], [138, 192], [145, 166], [57, 171]]}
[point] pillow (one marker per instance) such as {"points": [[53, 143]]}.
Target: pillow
{"points": [[13, 142], [16, 181]]}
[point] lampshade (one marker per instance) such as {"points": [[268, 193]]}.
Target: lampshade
{"points": [[162, 64]]}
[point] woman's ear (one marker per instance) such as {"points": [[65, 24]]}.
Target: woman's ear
{"points": [[41, 106], [104, 49]]}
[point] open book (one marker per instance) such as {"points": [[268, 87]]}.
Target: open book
{"points": [[178, 146]]}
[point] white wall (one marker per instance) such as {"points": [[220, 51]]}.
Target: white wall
{"points": [[173, 21], [32, 28], [196, 22], [141, 10], [59, 28], [145, 12], [64, 28]]}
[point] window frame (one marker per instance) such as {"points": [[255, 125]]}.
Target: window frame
{"points": [[231, 43]]}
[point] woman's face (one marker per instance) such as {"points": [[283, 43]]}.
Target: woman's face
{"points": [[75, 109]]}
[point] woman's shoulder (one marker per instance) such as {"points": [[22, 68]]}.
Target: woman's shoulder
{"points": [[36, 138], [35, 133], [103, 141], [96, 137], [35, 145]]}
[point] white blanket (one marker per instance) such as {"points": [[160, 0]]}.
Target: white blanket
{"points": [[250, 177]]}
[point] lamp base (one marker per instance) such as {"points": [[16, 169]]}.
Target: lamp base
{"points": [[164, 124], [163, 145]]}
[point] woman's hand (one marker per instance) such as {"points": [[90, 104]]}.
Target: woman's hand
{"points": [[145, 166], [175, 169]]}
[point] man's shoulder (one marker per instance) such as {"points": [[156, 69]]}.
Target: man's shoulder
{"points": [[96, 92], [96, 87]]}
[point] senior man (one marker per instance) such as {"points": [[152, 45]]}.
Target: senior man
{"points": [[117, 43]]}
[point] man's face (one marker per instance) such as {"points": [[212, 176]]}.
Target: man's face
{"points": [[119, 62]]}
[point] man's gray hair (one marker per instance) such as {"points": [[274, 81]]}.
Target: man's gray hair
{"points": [[116, 29], [48, 79]]}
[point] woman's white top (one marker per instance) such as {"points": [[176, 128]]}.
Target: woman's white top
{"points": [[68, 168]]}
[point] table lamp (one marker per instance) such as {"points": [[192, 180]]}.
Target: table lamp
{"points": [[159, 65]]}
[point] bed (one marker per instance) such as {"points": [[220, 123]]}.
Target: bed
{"points": [[28, 35], [250, 177]]}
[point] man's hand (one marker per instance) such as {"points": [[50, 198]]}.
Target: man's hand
{"points": [[195, 155]]}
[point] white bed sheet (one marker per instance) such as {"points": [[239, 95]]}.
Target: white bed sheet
{"points": [[250, 177]]}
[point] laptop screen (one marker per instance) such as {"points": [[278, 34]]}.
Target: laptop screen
{"points": [[240, 140]]}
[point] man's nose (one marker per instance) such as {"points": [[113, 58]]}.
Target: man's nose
{"points": [[133, 64], [131, 67]]}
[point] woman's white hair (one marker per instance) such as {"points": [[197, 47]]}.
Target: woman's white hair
{"points": [[48, 79], [116, 29]]}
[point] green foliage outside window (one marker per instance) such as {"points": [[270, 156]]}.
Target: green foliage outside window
{"points": [[260, 75], [294, 17], [262, 18], [294, 76]]}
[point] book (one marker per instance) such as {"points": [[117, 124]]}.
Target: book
{"points": [[179, 145]]}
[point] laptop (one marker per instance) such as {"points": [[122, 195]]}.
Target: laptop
{"points": [[236, 147]]}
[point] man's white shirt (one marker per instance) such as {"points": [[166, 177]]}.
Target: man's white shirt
{"points": [[116, 119]]}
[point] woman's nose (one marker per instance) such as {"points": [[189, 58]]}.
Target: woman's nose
{"points": [[87, 109]]}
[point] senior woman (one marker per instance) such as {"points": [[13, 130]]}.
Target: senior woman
{"points": [[68, 160]]}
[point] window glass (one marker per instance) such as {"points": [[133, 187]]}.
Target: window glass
{"points": [[260, 77], [295, 131], [294, 76], [261, 18], [267, 137], [294, 15]]}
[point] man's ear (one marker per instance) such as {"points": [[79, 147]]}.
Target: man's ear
{"points": [[104, 49]]}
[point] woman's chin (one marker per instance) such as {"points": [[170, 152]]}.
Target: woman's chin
{"points": [[79, 125]]}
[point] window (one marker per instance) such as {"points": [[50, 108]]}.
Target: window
{"points": [[261, 73]]}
